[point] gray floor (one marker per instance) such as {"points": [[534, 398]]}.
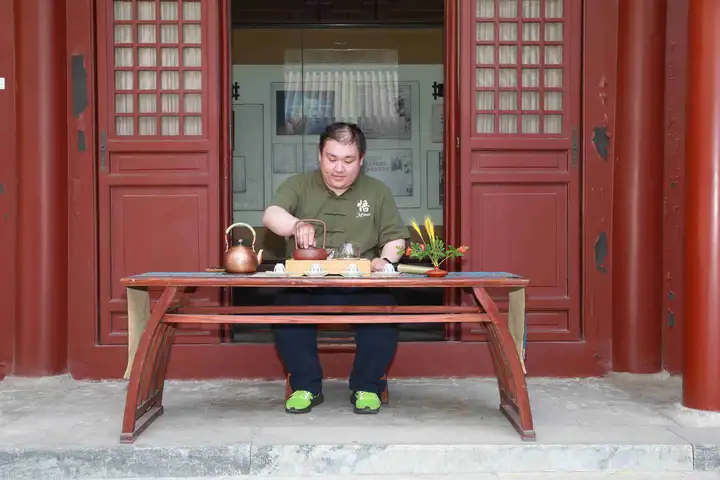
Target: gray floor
{"points": [[61, 428], [501, 476]]}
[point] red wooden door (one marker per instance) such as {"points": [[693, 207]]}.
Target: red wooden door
{"points": [[158, 172], [520, 178]]}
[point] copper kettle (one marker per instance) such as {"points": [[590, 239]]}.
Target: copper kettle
{"points": [[310, 253], [241, 259]]}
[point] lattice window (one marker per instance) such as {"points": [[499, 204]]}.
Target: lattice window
{"points": [[158, 73], [520, 66]]}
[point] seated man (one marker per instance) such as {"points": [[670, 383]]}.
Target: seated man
{"points": [[358, 209]]}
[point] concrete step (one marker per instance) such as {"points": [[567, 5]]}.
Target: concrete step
{"points": [[62, 428], [300, 460], [490, 476]]}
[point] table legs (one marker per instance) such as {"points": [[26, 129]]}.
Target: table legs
{"points": [[143, 403], [147, 375], [514, 400], [138, 300]]}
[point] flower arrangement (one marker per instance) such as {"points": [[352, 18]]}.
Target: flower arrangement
{"points": [[434, 248]]}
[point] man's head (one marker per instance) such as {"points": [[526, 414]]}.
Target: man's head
{"points": [[341, 153]]}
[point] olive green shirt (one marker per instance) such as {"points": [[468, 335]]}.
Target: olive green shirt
{"points": [[365, 215]]}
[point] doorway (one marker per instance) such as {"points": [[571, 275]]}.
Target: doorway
{"points": [[382, 70], [158, 137]]}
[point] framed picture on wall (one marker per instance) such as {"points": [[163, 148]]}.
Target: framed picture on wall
{"points": [[385, 110], [303, 112], [394, 167]]}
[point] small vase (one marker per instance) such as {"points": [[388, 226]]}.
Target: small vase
{"points": [[436, 273]]}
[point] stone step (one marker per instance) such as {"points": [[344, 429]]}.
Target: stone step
{"points": [[348, 460], [62, 428], [491, 476]]}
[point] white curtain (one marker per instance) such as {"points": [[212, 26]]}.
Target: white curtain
{"points": [[369, 92]]}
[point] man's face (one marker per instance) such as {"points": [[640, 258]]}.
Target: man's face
{"points": [[340, 165]]}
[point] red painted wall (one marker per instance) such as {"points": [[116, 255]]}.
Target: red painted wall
{"points": [[674, 179], [8, 189]]}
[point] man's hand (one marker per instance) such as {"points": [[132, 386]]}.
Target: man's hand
{"points": [[378, 264], [305, 235]]}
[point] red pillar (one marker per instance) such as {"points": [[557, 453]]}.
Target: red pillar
{"points": [[41, 261], [701, 380], [637, 199]]}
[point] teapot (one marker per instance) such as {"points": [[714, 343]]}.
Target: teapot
{"points": [[310, 253], [241, 259]]}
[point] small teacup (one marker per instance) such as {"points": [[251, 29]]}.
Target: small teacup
{"points": [[279, 268], [315, 268], [353, 268], [388, 268]]}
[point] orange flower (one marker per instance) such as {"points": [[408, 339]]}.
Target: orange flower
{"points": [[422, 247], [462, 249], [408, 251]]}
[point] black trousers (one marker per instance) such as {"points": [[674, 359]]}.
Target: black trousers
{"points": [[297, 344]]}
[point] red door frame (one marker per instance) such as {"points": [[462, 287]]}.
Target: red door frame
{"points": [[89, 360], [8, 188]]}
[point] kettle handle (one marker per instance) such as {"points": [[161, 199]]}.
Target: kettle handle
{"points": [[310, 220], [239, 224]]}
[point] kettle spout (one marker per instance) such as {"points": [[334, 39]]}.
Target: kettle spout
{"points": [[259, 256]]}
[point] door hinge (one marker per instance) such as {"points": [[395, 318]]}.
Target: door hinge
{"points": [[457, 142], [574, 148], [103, 152]]}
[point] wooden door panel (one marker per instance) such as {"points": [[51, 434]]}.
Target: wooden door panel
{"points": [[504, 166], [529, 234], [544, 325], [169, 163], [158, 177], [159, 229], [520, 181], [114, 332]]}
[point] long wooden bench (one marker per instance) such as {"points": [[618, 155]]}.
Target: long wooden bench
{"points": [[149, 354]]}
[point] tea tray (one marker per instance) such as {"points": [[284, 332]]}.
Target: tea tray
{"points": [[333, 267]]}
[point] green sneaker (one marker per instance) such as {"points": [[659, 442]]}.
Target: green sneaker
{"points": [[302, 401], [366, 402]]}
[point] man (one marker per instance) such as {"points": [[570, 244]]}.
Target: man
{"points": [[356, 208]]}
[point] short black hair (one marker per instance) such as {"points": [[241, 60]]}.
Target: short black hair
{"points": [[345, 134]]}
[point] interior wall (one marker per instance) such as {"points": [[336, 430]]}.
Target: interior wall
{"points": [[8, 189], [267, 48], [674, 182]]}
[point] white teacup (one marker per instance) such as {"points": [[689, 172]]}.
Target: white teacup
{"points": [[315, 268], [279, 268], [353, 268], [388, 268]]}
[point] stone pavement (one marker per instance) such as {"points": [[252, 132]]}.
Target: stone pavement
{"points": [[61, 428], [498, 476]]}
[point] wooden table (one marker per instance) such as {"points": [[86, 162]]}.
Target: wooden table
{"points": [[149, 356]]}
